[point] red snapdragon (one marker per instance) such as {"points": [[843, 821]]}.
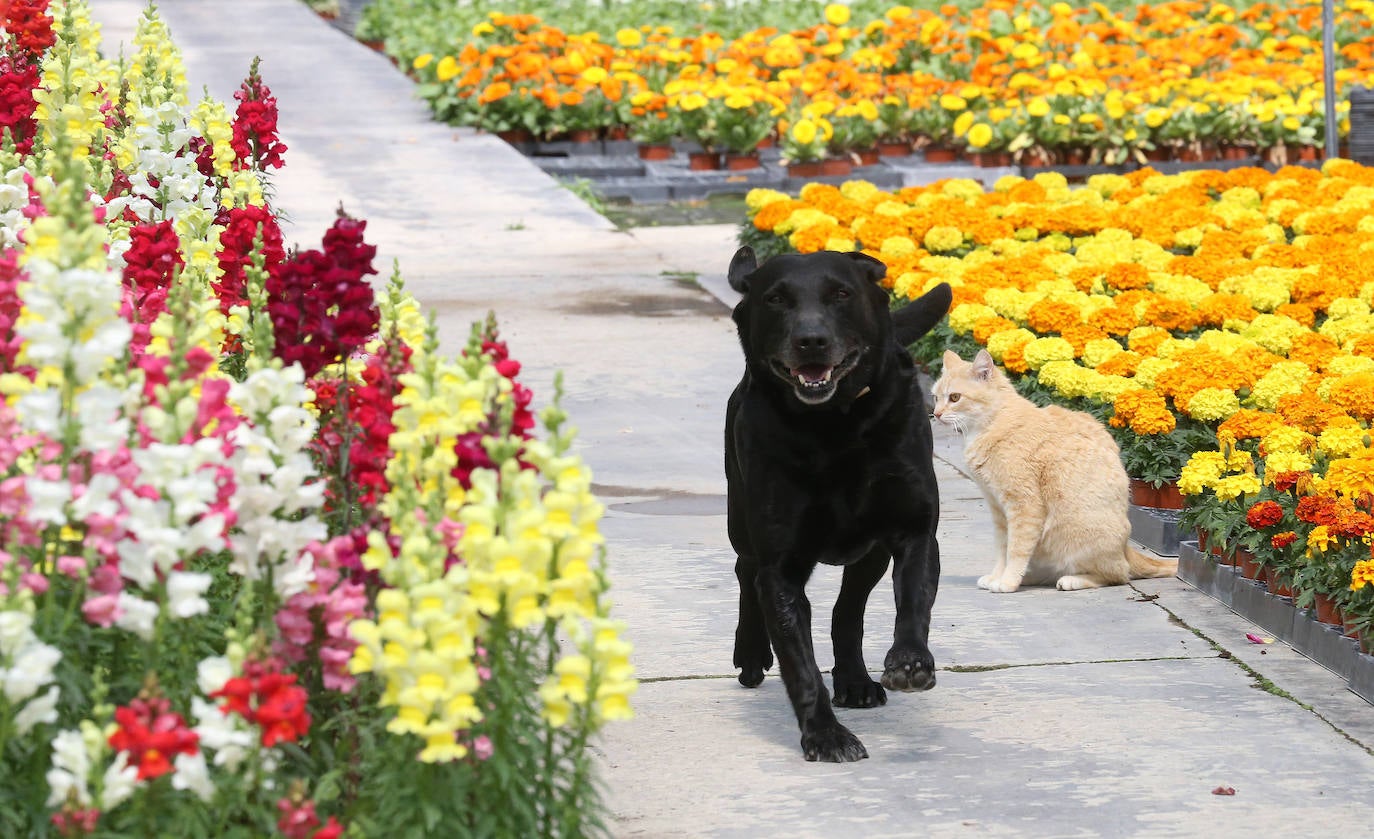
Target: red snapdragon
{"points": [[152, 735], [270, 699], [255, 141], [321, 305]]}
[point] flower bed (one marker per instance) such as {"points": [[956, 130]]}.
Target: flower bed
{"points": [[269, 563], [1219, 322], [1049, 83]]}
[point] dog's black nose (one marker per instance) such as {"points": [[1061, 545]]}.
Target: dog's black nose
{"points": [[811, 341]]}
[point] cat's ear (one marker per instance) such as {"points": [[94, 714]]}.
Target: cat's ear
{"points": [[983, 366], [952, 359]]}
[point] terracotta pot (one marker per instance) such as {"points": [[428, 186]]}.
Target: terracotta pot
{"points": [[1306, 153], [894, 148], [938, 154], [515, 135], [1351, 629], [582, 135], [655, 151], [1249, 568], [868, 157], [804, 169], [766, 143], [1236, 152], [990, 159], [702, 161], [1327, 611], [836, 166], [1277, 585], [1143, 494], [1037, 158], [1168, 497], [1076, 157], [740, 161], [618, 132], [1158, 155]]}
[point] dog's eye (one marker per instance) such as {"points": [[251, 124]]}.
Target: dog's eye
{"points": [[773, 300], [841, 294], [953, 397]]}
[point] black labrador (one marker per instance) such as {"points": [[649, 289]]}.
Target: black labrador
{"points": [[828, 459]]}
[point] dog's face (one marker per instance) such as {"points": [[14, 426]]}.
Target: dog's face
{"points": [[811, 321]]}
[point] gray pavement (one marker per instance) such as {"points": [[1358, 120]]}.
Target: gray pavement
{"points": [[1113, 712]]}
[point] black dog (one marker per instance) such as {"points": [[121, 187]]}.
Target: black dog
{"points": [[828, 458]]}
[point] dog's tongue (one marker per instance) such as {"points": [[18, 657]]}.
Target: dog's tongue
{"points": [[813, 374]]}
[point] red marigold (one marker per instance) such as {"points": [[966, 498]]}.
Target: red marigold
{"points": [[1264, 514], [1284, 539]]}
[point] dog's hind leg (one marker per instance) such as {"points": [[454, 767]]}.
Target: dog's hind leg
{"points": [[788, 615], [854, 688], [752, 654]]}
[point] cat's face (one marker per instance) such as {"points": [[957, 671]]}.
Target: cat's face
{"points": [[965, 394]]}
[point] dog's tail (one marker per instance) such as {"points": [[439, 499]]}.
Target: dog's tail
{"points": [[1143, 566], [919, 316]]}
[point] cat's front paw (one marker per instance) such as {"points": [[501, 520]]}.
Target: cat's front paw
{"points": [[1001, 585], [985, 581]]}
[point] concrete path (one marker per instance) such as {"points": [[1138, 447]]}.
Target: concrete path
{"points": [[1113, 712]]}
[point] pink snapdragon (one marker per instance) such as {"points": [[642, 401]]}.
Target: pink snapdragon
{"points": [[319, 616]]}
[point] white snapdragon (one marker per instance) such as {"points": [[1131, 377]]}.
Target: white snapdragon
{"points": [[186, 593], [166, 183], [26, 663], [71, 764], [278, 493], [222, 733]]}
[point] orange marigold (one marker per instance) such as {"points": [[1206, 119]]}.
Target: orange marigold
{"points": [[987, 327], [1219, 308], [1247, 423], [1173, 315], [1307, 411], [771, 215], [1114, 320], [1127, 276], [1052, 316], [1299, 312], [1354, 394], [1014, 359], [1121, 364], [1314, 350]]}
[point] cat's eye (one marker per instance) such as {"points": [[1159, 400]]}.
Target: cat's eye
{"points": [[954, 397]]}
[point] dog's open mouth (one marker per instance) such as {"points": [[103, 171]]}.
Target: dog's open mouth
{"points": [[816, 383]]}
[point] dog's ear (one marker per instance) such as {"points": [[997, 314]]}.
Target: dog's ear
{"points": [[919, 316], [983, 366], [741, 265], [874, 269]]}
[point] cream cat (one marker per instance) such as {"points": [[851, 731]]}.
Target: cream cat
{"points": [[1052, 478]]}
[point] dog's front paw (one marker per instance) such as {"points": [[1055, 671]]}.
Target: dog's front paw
{"points": [[832, 744], [908, 671], [858, 692]]}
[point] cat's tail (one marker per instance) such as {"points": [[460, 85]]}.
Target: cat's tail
{"points": [[1143, 566]]}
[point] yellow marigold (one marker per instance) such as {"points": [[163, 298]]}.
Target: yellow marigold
{"points": [[803, 218], [943, 238], [897, 247], [1100, 350], [1280, 462], [1148, 370], [1042, 350], [758, 198], [1352, 477], [1319, 539], [1275, 333], [1343, 441], [963, 317], [1201, 472], [1002, 342], [772, 214], [1286, 438], [1234, 486], [1213, 404], [1282, 379], [1362, 574]]}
